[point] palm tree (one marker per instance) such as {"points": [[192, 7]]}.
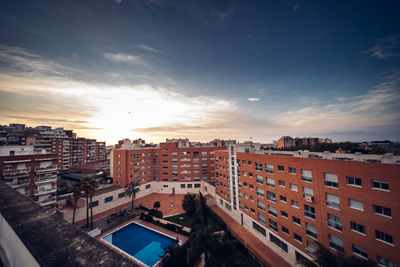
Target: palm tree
{"points": [[93, 186], [76, 190], [131, 190], [89, 186]]}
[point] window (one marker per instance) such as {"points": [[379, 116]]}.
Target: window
{"points": [[259, 179], [262, 219], [382, 211], [251, 186], [359, 251], [335, 242], [292, 170], [283, 198], [384, 237], [306, 176], [284, 214], [311, 230], [121, 195], [282, 183], [258, 166], [197, 185], [259, 229], [189, 186], [250, 174], [353, 181], [385, 262], [285, 230], [278, 242], [94, 204], [252, 198], [332, 201], [108, 199], [183, 185], [260, 192], [296, 220], [297, 238], [355, 204], [271, 196], [334, 222], [269, 168], [281, 168], [250, 163], [293, 187], [148, 186], [272, 211], [380, 185], [331, 180], [308, 194], [357, 227], [295, 203], [261, 205], [271, 182], [273, 225], [312, 248], [309, 212]]}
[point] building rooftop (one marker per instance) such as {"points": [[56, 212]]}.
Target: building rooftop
{"points": [[51, 240]]}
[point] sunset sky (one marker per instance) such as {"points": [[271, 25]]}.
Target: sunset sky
{"points": [[155, 69]]}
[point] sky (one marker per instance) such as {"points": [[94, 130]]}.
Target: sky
{"points": [[156, 69]]}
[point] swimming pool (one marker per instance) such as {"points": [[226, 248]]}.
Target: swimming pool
{"points": [[140, 242]]}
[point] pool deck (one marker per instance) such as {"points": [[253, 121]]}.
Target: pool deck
{"points": [[182, 239], [165, 200]]}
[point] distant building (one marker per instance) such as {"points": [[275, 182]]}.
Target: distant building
{"points": [[288, 141], [31, 173]]}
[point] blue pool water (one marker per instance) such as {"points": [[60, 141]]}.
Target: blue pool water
{"points": [[141, 243]]}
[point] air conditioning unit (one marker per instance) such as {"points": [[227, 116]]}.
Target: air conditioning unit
{"points": [[309, 198]]}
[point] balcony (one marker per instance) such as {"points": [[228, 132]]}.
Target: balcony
{"points": [[18, 183], [46, 179], [46, 169], [16, 172], [45, 191], [48, 201]]}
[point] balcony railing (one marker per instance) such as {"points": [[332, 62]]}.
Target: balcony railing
{"points": [[45, 191], [45, 169], [18, 183], [46, 179], [48, 201], [15, 172]]}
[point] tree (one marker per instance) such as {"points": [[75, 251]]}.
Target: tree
{"points": [[189, 203], [203, 209], [89, 186], [157, 205], [76, 190], [131, 190]]}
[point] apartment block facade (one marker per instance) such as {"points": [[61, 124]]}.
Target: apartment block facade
{"points": [[169, 162], [288, 141], [291, 201], [31, 174]]}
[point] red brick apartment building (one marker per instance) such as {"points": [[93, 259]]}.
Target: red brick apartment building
{"points": [[349, 203], [170, 162], [33, 175]]}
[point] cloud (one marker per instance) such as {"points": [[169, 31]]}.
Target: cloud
{"points": [[386, 47], [126, 58], [18, 61], [260, 91], [118, 1], [253, 99], [148, 48]]}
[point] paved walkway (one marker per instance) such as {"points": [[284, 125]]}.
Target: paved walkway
{"points": [[165, 200], [255, 246]]}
